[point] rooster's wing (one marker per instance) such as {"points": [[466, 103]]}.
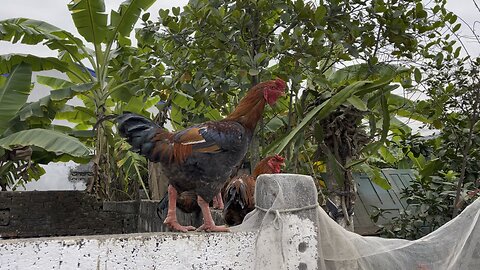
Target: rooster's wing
{"points": [[209, 137]]}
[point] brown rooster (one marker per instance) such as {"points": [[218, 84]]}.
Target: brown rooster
{"points": [[238, 193], [200, 158]]}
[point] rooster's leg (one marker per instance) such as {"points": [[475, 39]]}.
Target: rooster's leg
{"points": [[171, 219], [218, 201], [208, 223]]}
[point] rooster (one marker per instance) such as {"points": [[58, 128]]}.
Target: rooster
{"points": [[238, 193], [200, 158]]}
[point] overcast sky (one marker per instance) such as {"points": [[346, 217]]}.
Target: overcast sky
{"points": [[56, 12]]}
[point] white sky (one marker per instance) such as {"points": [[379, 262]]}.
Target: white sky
{"points": [[56, 12]]}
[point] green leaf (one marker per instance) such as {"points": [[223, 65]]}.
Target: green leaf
{"points": [[431, 167], [182, 100], [376, 175], [39, 108], [69, 92], [259, 57], [361, 72], [357, 103], [77, 114], [214, 115], [49, 140], [328, 106], [386, 155], [373, 147], [31, 32], [457, 52], [14, 93], [52, 82], [418, 75], [335, 168], [395, 123], [8, 61], [48, 106], [140, 104], [253, 72], [274, 124], [456, 27], [453, 18], [413, 115], [123, 20], [90, 19], [320, 13], [419, 162], [175, 11]]}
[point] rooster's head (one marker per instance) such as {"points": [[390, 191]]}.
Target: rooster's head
{"points": [[272, 90], [275, 163]]}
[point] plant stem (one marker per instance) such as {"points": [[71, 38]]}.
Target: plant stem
{"points": [[473, 120]]}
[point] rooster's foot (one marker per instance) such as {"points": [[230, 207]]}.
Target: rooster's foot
{"points": [[174, 225], [212, 228]]}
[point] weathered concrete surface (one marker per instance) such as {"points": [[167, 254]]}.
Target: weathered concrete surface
{"points": [[283, 237], [61, 213], [169, 251], [64, 213], [287, 211]]}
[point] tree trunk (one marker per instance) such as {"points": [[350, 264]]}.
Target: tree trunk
{"points": [[101, 168], [342, 196], [342, 137], [473, 119], [157, 181]]}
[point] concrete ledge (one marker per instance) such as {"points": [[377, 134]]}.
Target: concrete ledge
{"points": [[170, 251], [283, 237]]}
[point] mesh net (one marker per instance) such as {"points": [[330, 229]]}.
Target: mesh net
{"points": [[287, 212]]}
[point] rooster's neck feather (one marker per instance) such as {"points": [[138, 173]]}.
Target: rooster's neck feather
{"points": [[250, 109], [262, 168]]}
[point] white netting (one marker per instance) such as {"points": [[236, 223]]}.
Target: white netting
{"points": [[282, 198]]}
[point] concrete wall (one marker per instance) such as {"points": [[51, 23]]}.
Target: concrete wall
{"points": [[56, 213], [284, 238], [169, 251], [61, 213], [294, 247]]}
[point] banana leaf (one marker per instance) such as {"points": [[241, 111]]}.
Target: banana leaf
{"points": [[14, 93], [48, 140]]}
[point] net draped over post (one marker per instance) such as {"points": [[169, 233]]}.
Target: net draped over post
{"points": [[289, 222]]}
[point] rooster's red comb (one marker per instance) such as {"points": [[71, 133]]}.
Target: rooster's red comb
{"points": [[278, 158]]}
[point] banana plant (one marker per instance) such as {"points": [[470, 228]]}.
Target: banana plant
{"points": [[22, 151], [103, 72]]}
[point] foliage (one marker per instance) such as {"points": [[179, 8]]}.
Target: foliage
{"points": [[336, 56], [447, 162], [432, 196], [430, 200], [116, 80], [21, 150]]}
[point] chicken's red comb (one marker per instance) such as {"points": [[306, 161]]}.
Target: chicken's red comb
{"points": [[280, 83], [279, 158]]}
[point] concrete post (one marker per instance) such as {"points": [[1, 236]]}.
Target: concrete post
{"points": [[286, 212]]}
